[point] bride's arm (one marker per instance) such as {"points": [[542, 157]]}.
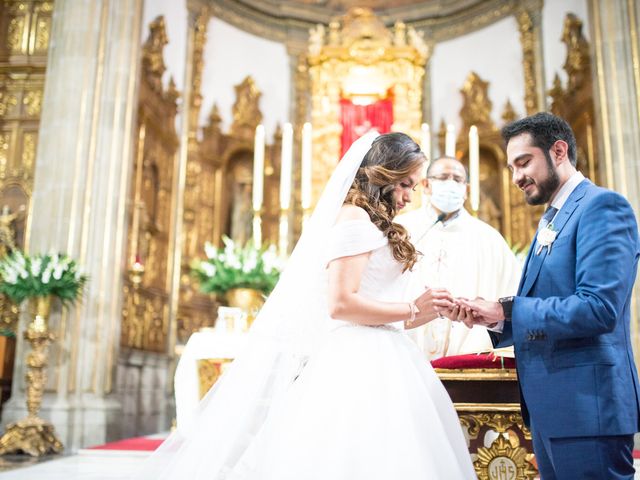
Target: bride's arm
{"points": [[345, 274], [345, 303]]}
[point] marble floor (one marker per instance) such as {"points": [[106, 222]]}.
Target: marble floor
{"points": [[97, 465]]}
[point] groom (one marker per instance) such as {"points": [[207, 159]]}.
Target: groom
{"points": [[569, 322]]}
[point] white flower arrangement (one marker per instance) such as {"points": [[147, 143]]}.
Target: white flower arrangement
{"points": [[23, 276], [235, 266]]}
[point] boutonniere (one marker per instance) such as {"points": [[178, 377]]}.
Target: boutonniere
{"points": [[545, 238]]}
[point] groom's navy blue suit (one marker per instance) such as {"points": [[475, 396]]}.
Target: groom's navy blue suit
{"points": [[571, 331]]}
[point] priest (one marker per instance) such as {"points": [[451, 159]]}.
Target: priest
{"points": [[460, 253]]}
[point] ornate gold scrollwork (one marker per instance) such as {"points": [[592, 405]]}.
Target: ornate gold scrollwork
{"points": [[575, 102], [528, 40], [578, 61], [477, 106], [505, 458], [246, 109], [152, 54], [209, 370], [504, 461], [33, 435], [8, 102], [357, 56]]}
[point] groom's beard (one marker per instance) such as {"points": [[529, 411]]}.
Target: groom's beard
{"points": [[546, 187]]}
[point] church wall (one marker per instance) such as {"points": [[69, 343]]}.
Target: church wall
{"points": [[495, 54], [554, 51], [229, 56]]}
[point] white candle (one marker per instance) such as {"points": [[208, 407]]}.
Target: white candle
{"points": [[425, 145], [474, 167], [450, 141], [285, 166], [258, 168], [305, 188]]}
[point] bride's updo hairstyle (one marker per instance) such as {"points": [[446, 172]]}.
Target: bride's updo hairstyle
{"points": [[391, 159]]}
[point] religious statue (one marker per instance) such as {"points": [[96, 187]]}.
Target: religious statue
{"points": [[7, 230], [8, 310]]}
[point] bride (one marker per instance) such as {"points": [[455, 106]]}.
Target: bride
{"points": [[329, 387]]}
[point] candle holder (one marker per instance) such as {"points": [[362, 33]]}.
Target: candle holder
{"points": [[33, 435], [283, 243], [257, 228], [136, 273]]}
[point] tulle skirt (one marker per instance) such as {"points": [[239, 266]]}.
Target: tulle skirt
{"points": [[367, 406]]}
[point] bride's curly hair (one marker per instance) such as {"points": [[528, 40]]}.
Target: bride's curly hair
{"points": [[391, 159]]}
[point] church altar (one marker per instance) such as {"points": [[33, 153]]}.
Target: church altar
{"points": [[203, 359]]}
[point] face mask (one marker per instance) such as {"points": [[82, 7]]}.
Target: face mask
{"points": [[448, 195]]}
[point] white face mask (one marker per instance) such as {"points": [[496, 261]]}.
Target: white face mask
{"points": [[447, 195]]}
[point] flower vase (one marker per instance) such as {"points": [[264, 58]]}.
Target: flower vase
{"points": [[32, 434], [248, 300]]}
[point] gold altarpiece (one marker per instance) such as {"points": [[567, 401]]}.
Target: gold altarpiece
{"points": [[575, 102], [145, 321], [24, 41], [355, 48], [502, 204]]}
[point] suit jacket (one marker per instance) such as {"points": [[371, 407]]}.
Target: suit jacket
{"points": [[570, 321]]}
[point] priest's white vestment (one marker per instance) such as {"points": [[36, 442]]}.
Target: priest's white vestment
{"points": [[470, 259]]}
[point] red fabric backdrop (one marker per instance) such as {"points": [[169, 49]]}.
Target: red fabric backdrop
{"points": [[359, 119]]}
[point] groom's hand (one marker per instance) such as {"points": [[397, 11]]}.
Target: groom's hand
{"points": [[484, 312], [460, 313]]}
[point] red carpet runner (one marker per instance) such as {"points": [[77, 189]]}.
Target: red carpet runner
{"points": [[142, 444]]}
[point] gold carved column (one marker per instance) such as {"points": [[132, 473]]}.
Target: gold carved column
{"points": [[193, 198], [530, 27]]}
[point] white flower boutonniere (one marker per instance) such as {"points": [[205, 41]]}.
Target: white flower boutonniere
{"points": [[545, 238]]}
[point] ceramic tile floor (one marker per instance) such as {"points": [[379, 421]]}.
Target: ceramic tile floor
{"points": [[96, 465]]}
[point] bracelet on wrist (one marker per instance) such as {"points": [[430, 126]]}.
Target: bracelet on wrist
{"points": [[414, 310]]}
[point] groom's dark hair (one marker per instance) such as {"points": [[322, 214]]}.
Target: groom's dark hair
{"points": [[545, 130]]}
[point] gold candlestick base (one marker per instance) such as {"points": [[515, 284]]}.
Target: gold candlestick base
{"points": [[32, 436]]}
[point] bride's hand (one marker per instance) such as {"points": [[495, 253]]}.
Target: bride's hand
{"points": [[433, 303]]}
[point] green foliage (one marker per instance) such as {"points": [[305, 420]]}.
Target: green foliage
{"points": [[23, 276], [6, 332], [236, 266]]}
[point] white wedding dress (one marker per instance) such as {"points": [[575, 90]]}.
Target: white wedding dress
{"points": [[313, 398], [367, 406]]}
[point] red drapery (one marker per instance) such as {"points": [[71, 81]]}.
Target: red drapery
{"points": [[359, 119]]}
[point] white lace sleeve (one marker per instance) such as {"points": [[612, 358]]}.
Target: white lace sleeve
{"points": [[353, 237]]}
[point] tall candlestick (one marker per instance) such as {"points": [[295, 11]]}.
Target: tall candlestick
{"points": [[258, 168], [425, 145], [474, 167], [305, 188], [450, 141], [285, 166], [285, 187], [258, 184]]}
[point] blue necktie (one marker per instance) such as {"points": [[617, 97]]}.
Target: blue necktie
{"points": [[547, 217]]}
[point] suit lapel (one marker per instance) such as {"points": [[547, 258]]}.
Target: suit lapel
{"points": [[534, 262]]}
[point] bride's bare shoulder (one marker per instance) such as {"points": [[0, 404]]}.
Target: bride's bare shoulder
{"points": [[351, 212]]}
